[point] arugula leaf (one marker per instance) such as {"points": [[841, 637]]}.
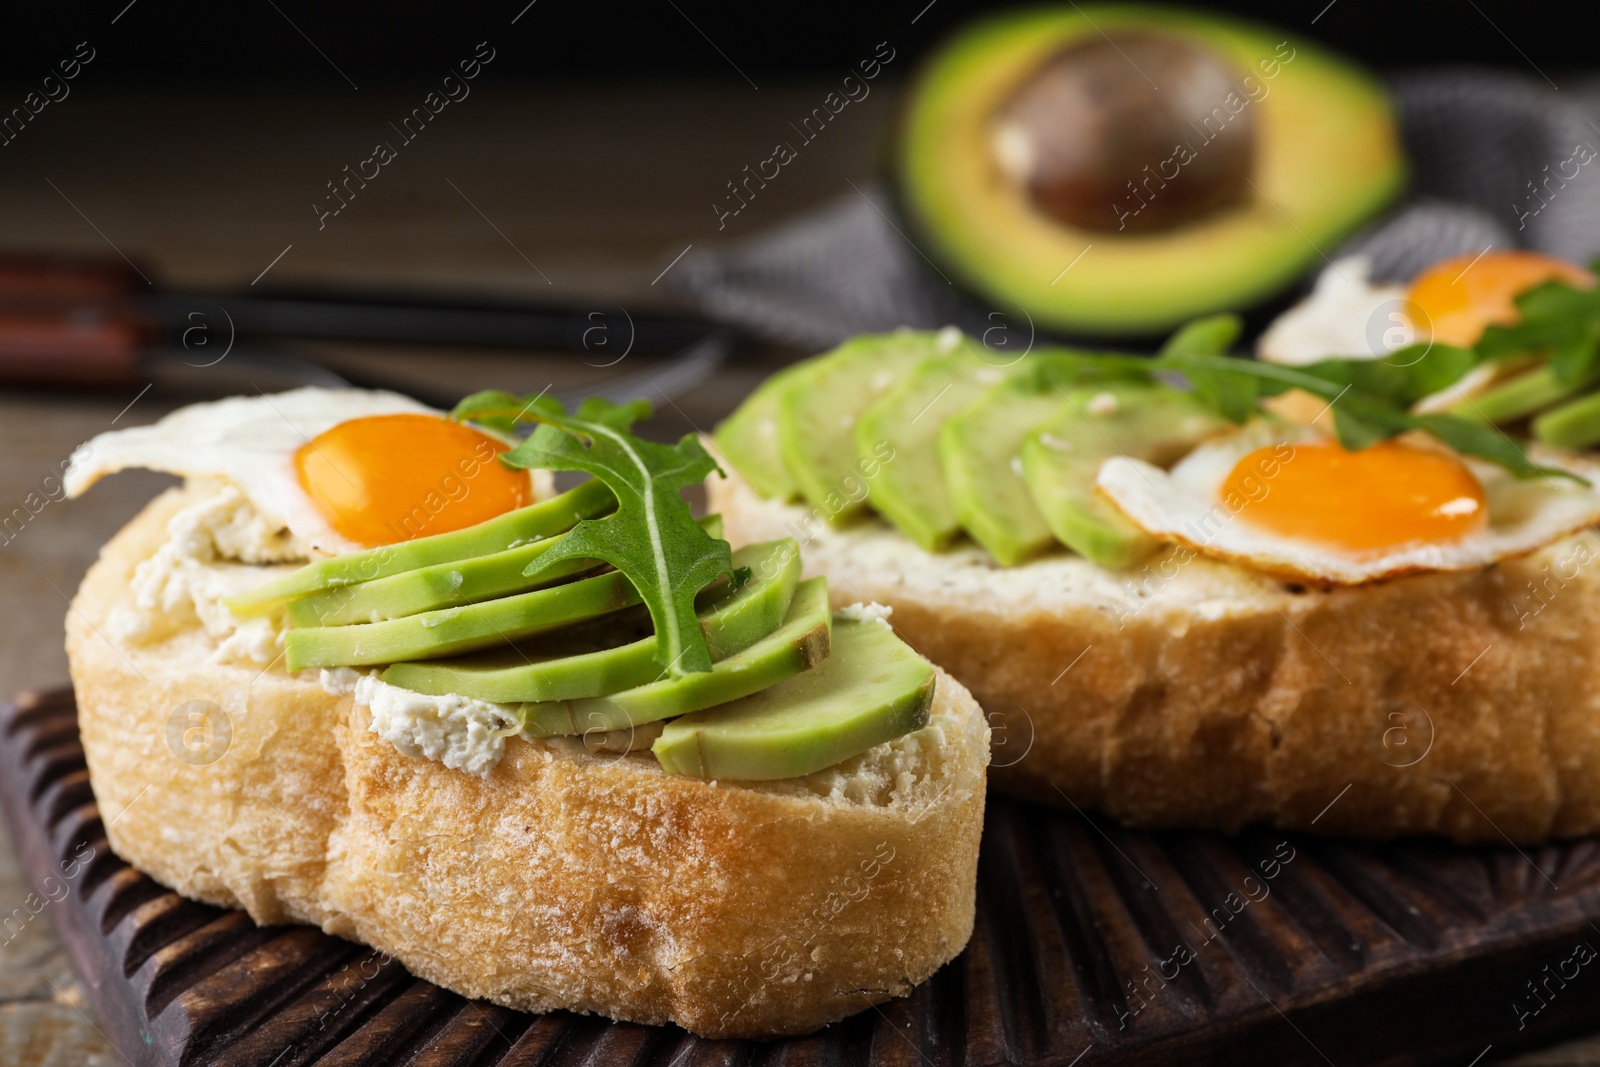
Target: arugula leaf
{"points": [[1572, 360], [1062, 368], [1487, 442], [1209, 336], [1551, 315], [1235, 396], [1271, 378], [651, 538], [1362, 423], [502, 411], [1405, 376], [1370, 404]]}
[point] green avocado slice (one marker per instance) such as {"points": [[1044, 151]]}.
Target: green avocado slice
{"points": [[1060, 459], [872, 688], [901, 432], [979, 449], [1575, 424], [547, 518], [748, 439], [465, 581], [731, 622], [1526, 394], [443, 585], [461, 629], [819, 407], [798, 645]]}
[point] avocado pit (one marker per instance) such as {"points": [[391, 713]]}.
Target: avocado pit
{"points": [[1132, 131]]}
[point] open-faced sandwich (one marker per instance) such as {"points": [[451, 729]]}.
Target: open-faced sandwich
{"points": [[365, 669], [1336, 589]]}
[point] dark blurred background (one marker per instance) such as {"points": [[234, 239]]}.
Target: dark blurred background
{"points": [[159, 40]]}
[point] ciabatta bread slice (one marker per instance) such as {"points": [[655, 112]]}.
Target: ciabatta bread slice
{"points": [[559, 880]]}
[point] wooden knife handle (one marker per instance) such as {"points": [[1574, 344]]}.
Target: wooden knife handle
{"points": [[64, 322], [66, 278], [72, 346]]}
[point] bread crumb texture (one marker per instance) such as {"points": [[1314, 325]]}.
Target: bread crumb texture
{"points": [[559, 879], [1195, 693]]}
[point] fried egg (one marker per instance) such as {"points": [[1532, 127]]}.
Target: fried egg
{"points": [[339, 469], [1455, 300], [1348, 316], [1293, 503]]}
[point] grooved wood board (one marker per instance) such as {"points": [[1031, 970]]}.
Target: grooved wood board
{"points": [[1094, 945]]}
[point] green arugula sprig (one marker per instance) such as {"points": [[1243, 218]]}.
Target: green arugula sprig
{"points": [[652, 537], [1559, 319], [1370, 398]]}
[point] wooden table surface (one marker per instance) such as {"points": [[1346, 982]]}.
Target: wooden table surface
{"points": [[580, 192]]}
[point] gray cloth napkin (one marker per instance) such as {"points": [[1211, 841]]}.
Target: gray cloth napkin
{"points": [[1492, 154]]}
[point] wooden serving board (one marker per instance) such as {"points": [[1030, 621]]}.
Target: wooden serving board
{"points": [[1094, 945]]}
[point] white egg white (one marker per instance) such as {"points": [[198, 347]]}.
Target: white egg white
{"points": [[1349, 316], [1346, 316], [1188, 505], [248, 442]]}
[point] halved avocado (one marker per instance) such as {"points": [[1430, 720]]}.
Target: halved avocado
{"points": [[1117, 169]]}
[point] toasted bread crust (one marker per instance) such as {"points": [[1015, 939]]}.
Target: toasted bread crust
{"points": [[595, 884], [1463, 705]]}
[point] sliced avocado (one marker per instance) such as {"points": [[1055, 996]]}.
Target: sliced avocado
{"points": [[901, 432], [731, 621], [798, 645], [979, 453], [450, 630], [1060, 459], [1527, 394], [1038, 164], [1575, 424], [748, 439], [427, 588], [872, 688], [547, 518], [467, 581], [818, 409]]}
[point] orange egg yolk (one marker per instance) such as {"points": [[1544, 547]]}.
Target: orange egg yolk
{"points": [[1386, 496], [1454, 300], [390, 478]]}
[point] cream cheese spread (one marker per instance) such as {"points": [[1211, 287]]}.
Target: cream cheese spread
{"points": [[214, 549]]}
